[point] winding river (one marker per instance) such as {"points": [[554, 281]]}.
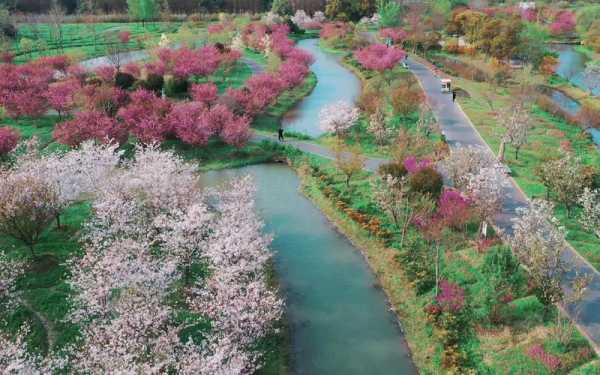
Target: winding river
{"points": [[339, 319], [335, 83]]}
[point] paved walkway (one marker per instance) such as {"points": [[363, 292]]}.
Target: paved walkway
{"points": [[460, 132]]}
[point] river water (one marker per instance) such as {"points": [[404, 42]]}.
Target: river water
{"points": [[335, 83], [571, 65], [340, 321]]}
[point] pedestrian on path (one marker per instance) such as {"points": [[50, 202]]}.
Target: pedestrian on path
{"points": [[453, 96], [280, 134]]}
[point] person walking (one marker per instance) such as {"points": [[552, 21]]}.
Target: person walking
{"points": [[280, 134], [453, 96]]}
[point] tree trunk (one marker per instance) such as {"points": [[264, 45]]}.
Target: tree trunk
{"points": [[501, 151], [437, 268], [517, 153], [31, 249]]}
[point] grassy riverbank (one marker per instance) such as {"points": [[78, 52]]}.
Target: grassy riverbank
{"points": [[497, 344]]}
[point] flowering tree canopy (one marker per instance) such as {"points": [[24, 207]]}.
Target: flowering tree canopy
{"points": [[590, 216], [23, 89], [338, 117], [90, 125], [9, 138], [379, 57]]}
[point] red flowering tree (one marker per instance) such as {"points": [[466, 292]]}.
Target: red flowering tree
{"points": [[379, 57], [185, 62], [145, 116], [236, 132], [564, 22], [106, 73], [292, 73], [104, 98], [191, 122], [205, 93], [23, 89], [87, 125], [60, 63], [454, 209], [395, 34], [61, 95], [9, 138]]}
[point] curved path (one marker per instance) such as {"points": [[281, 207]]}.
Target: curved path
{"points": [[460, 132]]}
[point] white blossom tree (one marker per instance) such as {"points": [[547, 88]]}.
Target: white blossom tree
{"points": [[590, 216], [338, 117], [516, 123], [539, 240], [486, 188], [464, 162]]}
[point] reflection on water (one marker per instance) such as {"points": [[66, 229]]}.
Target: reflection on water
{"points": [[571, 65], [334, 83], [340, 321]]}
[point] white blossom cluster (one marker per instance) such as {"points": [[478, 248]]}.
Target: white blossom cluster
{"points": [[302, 19], [151, 222], [338, 117]]}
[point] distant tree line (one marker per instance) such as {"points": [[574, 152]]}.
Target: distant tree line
{"points": [[176, 6]]}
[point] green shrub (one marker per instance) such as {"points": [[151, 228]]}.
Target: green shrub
{"points": [[154, 82], [427, 181], [124, 80], [176, 87], [395, 169]]}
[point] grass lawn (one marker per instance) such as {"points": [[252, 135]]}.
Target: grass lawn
{"points": [[544, 143], [83, 39], [44, 287]]}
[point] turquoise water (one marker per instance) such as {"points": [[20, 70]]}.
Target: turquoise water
{"points": [[572, 65], [334, 83], [340, 320]]}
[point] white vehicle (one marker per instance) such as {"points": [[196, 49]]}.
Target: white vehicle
{"points": [[446, 85]]}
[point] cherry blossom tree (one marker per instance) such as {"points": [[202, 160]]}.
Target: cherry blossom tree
{"points": [[9, 138], [564, 22], [464, 162], [379, 128], [566, 178], [90, 125], [539, 240], [396, 35], [61, 96], [338, 117], [23, 89], [150, 222], [145, 116], [73, 173], [10, 270], [379, 57], [486, 189], [516, 123], [205, 93], [236, 132], [191, 122], [15, 358], [27, 205], [590, 216]]}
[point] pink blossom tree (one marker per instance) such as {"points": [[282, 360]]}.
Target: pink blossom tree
{"points": [[395, 34], [61, 96], [205, 93], [236, 132], [23, 89], [564, 22], [191, 122], [9, 138], [338, 118], [379, 57], [90, 125], [145, 116]]}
